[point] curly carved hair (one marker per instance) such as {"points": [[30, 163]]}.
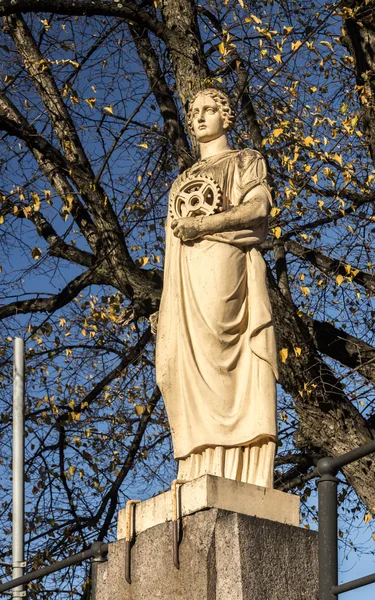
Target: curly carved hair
{"points": [[221, 99]]}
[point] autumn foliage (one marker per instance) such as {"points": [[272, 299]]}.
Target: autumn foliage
{"points": [[93, 105]]}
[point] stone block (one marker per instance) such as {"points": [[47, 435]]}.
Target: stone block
{"points": [[208, 491], [223, 556]]}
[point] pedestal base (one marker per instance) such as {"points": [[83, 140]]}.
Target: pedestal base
{"points": [[224, 555], [208, 491]]}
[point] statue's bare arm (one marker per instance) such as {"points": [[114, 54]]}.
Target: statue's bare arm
{"points": [[248, 215]]}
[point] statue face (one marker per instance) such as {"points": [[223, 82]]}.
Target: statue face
{"points": [[208, 122]]}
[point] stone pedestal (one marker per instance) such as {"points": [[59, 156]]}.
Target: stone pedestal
{"points": [[224, 554]]}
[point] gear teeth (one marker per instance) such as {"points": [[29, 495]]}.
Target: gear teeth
{"points": [[185, 182]]}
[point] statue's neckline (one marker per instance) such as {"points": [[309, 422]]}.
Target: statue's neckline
{"points": [[218, 154]]}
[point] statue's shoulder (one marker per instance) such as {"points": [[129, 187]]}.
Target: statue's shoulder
{"points": [[248, 158], [251, 169]]}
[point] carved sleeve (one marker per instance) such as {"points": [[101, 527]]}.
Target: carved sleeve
{"points": [[251, 171]]}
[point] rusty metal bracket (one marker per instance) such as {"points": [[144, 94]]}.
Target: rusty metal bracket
{"points": [[129, 535], [175, 521]]}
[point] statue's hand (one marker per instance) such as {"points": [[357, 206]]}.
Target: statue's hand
{"points": [[187, 228]]}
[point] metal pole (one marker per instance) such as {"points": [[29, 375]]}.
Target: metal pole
{"points": [[18, 510], [327, 506], [97, 550]]}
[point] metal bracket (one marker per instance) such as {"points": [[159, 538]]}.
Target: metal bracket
{"points": [[129, 535], [18, 594], [14, 564], [175, 521]]}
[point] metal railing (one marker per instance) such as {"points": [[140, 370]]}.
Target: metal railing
{"points": [[329, 589], [327, 470], [97, 552]]}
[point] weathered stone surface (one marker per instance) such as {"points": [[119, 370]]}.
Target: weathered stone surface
{"points": [[223, 556], [100, 586], [208, 491]]}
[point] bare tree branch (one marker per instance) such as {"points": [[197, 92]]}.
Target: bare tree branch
{"points": [[131, 357], [330, 265], [343, 347], [52, 165], [39, 71], [58, 247], [174, 129], [88, 8], [111, 497], [53, 303]]}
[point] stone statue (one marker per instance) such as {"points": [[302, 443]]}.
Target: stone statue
{"points": [[216, 360]]}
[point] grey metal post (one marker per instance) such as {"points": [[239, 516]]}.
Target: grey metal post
{"points": [[18, 510], [327, 506]]}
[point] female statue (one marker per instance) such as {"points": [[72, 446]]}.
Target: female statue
{"points": [[216, 359]]}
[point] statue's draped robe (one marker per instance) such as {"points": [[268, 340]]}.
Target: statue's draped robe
{"points": [[216, 354]]}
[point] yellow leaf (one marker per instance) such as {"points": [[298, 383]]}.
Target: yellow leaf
{"points": [[367, 518], [36, 253], [296, 45], [305, 290], [27, 210], [143, 261], [348, 268], [337, 158], [308, 141], [108, 109], [277, 232], [277, 58], [274, 211], [253, 19], [283, 354], [72, 469], [277, 132], [144, 145], [297, 350], [68, 351], [355, 272], [36, 201], [139, 410], [44, 22], [1, 219], [328, 44], [373, 537], [339, 279], [221, 48], [62, 322], [91, 102]]}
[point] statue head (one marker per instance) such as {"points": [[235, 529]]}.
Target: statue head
{"points": [[210, 114]]}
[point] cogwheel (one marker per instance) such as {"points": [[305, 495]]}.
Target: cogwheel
{"points": [[199, 195]]}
